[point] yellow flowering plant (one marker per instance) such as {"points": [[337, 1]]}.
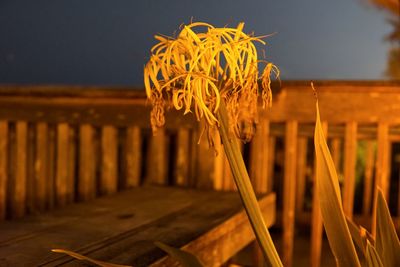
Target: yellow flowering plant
{"points": [[199, 69], [214, 73]]}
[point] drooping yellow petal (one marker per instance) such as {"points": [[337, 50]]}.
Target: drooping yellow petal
{"points": [[204, 65]]}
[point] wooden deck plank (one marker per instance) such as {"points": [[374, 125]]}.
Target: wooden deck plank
{"points": [[113, 229]]}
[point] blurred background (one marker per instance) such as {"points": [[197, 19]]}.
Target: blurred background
{"points": [[107, 42]]}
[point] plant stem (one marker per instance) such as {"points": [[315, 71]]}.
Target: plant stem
{"points": [[245, 189]]}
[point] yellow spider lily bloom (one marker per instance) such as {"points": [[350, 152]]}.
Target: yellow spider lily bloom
{"points": [[203, 66]]}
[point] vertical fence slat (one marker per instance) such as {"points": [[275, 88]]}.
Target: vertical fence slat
{"points": [[271, 163], [368, 177], [157, 158], [301, 173], [3, 168], [18, 194], [289, 191], [218, 179], [221, 174], [204, 161], [316, 217], [41, 168], [62, 187], [382, 164], [182, 157], [193, 173], [30, 171], [259, 152], [349, 169], [51, 167], [336, 152], [109, 155], [228, 182], [71, 165], [87, 166], [134, 156]]}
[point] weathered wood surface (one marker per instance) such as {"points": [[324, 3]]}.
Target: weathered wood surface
{"points": [[109, 160], [217, 245], [134, 156], [19, 179], [350, 157], [3, 168], [289, 191], [122, 228], [87, 163], [77, 105], [339, 102]]}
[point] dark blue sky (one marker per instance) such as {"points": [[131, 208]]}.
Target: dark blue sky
{"points": [[106, 42]]}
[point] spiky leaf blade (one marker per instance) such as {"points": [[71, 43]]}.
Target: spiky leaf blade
{"points": [[330, 202], [387, 242], [372, 257]]}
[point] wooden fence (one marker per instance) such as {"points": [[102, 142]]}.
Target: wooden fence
{"points": [[59, 145]]}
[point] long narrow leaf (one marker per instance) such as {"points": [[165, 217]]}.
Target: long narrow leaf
{"points": [[387, 241], [372, 257], [84, 258], [360, 236], [185, 258], [330, 202]]}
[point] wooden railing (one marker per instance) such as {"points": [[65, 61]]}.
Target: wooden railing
{"points": [[59, 145]]}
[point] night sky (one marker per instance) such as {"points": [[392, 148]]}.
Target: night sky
{"points": [[106, 42]]}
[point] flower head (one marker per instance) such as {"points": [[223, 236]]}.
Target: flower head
{"points": [[198, 69]]}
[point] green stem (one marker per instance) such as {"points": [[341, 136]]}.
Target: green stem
{"points": [[242, 180]]}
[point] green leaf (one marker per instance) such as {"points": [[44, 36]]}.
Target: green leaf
{"points": [[185, 258], [84, 258], [372, 257], [330, 202], [387, 241]]}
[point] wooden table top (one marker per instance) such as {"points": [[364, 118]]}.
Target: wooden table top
{"points": [[122, 228]]}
